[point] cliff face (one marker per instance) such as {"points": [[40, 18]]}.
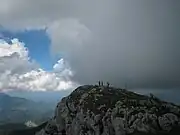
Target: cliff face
{"points": [[101, 110]]}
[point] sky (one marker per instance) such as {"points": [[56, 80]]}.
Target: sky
{"points": [[68, 43]]}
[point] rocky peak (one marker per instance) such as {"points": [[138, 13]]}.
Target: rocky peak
{"points": [[104, 110]]}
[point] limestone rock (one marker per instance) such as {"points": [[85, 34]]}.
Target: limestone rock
{"points": [[101, 110], [167, 121]]}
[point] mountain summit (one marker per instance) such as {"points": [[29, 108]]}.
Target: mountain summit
{"points": [[104, 110]]}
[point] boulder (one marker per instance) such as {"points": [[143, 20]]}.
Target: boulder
{"points": [[167, 121]]}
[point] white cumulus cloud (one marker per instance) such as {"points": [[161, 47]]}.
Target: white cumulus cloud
{"points": [[19, 72]]}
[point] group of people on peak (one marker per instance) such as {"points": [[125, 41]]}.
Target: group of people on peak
{"points": [[101, 83]]}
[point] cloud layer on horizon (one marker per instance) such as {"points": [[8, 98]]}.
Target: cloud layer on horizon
{"points": [[133, 42]]}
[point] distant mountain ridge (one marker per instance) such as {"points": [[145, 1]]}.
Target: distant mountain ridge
{"points": [[7, 101], [20, 110]]}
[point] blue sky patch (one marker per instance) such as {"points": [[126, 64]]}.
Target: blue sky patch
{"points": [[38, 44]]}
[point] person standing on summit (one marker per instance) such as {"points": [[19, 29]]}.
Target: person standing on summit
{"points": [[108, 84], [99, 83], [102, 83]]}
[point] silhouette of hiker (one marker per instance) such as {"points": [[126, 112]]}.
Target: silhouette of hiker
{"points": [[108, 84], [99, 83], [102, 83]]}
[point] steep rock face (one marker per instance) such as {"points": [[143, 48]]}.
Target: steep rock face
{"points": [[101, 110]]}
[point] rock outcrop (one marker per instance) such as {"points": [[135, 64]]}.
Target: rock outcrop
{"points": [[101, 110]]}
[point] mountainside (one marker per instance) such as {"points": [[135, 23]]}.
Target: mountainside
{"points": [[103, 110], [20, 110]]}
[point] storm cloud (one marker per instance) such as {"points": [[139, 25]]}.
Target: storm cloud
{"points": [[131, 41]]}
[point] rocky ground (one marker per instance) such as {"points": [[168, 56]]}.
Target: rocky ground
{"points": [[103, 110]]}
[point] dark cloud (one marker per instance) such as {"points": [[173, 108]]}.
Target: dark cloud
{"points": [[133, 42]]}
